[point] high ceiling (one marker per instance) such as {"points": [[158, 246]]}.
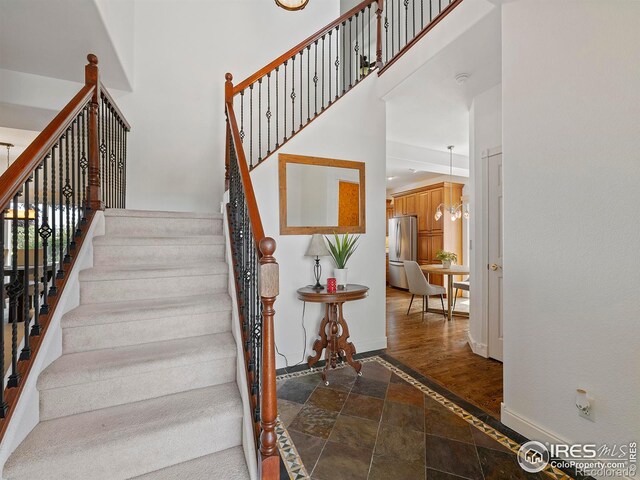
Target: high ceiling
{"points": [[430, 110]]}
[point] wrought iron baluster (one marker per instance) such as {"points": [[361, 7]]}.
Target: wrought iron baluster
{"points": [[344, 71], [14, 289], [53, 290], [26, 350], [356, 48], [330, 57], [61, 240], [45, 232], [322, 83], [284, 103], [351, 83], [268, 114], [242, 116], [308, 83], [66, 191], [76, 175], [74, 188], [251, 126], [406, 21], [413, 22], [277, 108], [315, 78], [4, 407], [337, 62], [301, 90], [259, 120], [124, 173], [37, 270], [293, 95], [386, 30], [84, 163]]}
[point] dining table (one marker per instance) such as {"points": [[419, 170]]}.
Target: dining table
{"points": [[450, 272]]}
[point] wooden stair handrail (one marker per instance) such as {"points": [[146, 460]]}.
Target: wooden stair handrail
{"points": [[15, 176], [447, 10], [252, 204], [114, 105], [302, 45]]}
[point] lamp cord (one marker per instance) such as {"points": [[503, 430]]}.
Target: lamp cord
{"points": [[304, 345]]}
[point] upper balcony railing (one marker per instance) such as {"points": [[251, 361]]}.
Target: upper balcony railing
{"points": [[282, 98]]}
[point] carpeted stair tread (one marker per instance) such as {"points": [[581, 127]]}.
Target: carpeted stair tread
{"points": [[132, 439], [119, 212], [228, 464], [128, 240], [135, 272], [116, 312], [99, 365]]}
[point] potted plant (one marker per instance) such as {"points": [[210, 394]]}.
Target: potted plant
{"points": [[341, 250], [447, 258]]}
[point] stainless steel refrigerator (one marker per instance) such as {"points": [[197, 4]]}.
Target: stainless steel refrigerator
{"points": [[403, 245]]}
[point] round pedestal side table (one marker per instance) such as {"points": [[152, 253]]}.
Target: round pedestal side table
{"points": [[334, 332]]}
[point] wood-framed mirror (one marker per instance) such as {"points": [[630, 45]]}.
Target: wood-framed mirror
{"points": [[321, 195]]}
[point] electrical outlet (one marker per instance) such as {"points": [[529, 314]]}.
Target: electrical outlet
{"points": [[584, 404]]}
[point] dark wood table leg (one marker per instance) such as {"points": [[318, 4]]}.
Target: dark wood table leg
{"points": [[345, 346], [320, 343]]}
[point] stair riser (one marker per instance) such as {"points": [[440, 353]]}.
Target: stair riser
{"points": [[156, 227], [60, 402], [150, 288], [116, 255], [143, 453], [95, 337]]}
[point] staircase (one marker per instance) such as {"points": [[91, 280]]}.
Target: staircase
{"points": [[146, 385]]}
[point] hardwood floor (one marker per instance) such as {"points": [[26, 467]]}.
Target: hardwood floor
{"points": [[438, 349]]}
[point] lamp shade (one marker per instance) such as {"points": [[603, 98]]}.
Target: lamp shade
{"points": [[317, 247], [292, 4]]}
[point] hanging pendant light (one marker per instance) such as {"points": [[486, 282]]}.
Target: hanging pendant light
{"points": [[455, 211], [292, 5]]}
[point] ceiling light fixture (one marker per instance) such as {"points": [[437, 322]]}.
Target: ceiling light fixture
{"points": [[456, 211], [292, 5], [8, 145], [390, 178]]}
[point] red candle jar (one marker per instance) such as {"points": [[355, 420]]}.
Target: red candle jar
{"points": [[331, 285]]}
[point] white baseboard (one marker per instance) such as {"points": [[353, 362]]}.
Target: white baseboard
{"points": [[477, 348], [526, 427]]}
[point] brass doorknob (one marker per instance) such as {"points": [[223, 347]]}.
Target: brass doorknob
{"points": [[494, 266]]}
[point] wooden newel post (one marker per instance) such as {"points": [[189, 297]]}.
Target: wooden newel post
{"points": [[94, 193], [269, 289], [228, 99], [379, 35]]}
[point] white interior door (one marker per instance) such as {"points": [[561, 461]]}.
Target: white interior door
{"points": [[495, 246]]}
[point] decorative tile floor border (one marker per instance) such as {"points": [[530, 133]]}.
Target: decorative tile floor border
{"points": [[297, 470]]}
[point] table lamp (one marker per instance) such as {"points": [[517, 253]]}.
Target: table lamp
{"points": [[317, 248]]}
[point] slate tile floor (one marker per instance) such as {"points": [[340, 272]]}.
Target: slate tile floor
{"points": [[379, 426]]}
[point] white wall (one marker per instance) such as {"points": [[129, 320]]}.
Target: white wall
{"points": [[571, 106], [338, 133], [485, 132], [182, 52]]}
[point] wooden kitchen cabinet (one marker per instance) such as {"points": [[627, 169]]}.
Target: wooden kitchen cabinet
{"points": [[410, 205], [424, 207], [433, 235]]}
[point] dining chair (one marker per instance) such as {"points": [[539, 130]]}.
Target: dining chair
{"points": [[419, 285], [463, 285]]}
